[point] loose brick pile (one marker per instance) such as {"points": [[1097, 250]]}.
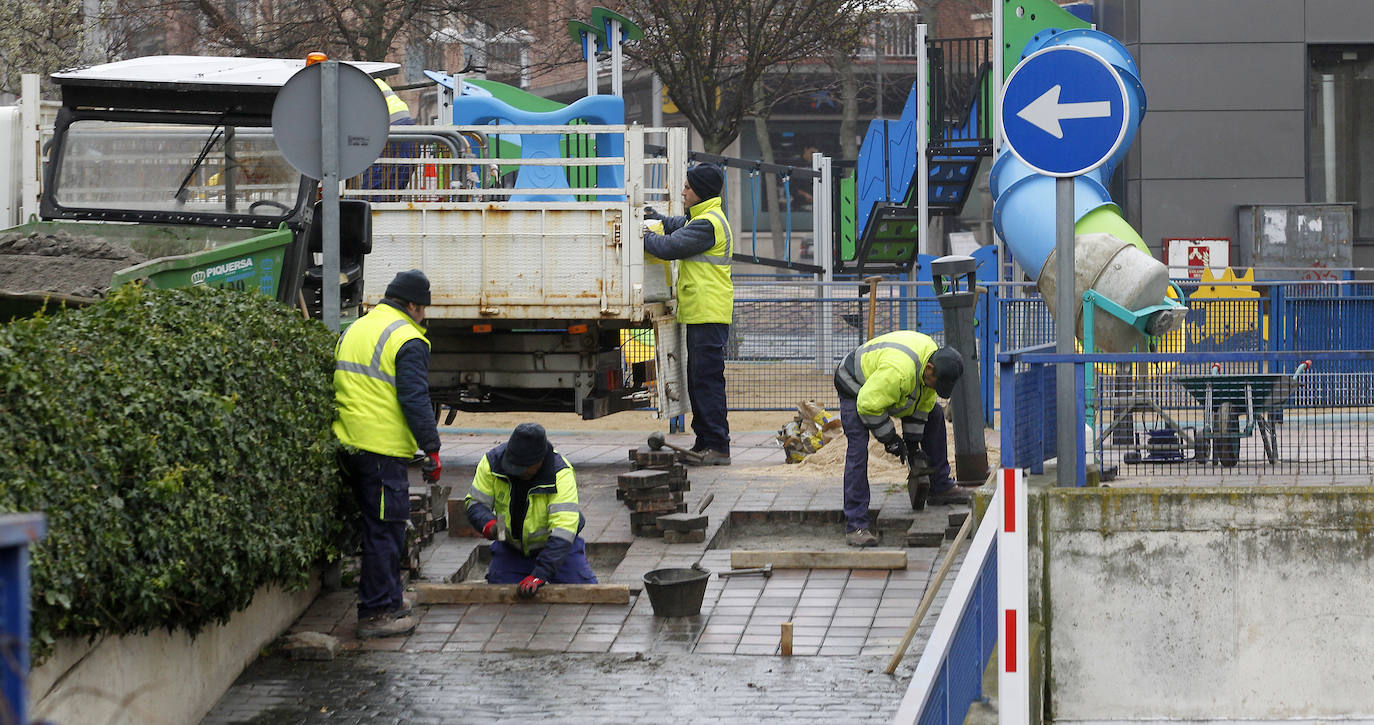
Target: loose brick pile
{"points": [[654, 488]]}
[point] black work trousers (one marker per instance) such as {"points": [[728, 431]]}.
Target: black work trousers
{"points": [[380, 487], [706, 385]]}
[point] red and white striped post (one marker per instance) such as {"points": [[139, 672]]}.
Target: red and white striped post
{"points": [[1013, 635]]}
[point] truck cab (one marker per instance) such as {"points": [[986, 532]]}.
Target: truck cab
{"points": [[174, 156]]}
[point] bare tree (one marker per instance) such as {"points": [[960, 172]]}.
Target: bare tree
{"points": [[38, 36], [343, 29], [713, 55]]}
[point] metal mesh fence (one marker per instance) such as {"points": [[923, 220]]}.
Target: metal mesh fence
{"points": [[1231, 421], [787, 338]]}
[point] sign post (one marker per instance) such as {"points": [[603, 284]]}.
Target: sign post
{"points": [[1064, 113], [325, 140]]}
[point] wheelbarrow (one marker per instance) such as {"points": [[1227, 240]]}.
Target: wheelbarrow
{"points": [[1260, 397]]}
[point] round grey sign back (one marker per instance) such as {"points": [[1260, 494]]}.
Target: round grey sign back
{"points": [[296, 121]]}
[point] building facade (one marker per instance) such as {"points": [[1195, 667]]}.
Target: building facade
{"points": [[1251, 102]]}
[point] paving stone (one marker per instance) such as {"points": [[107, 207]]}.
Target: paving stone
{"points": [[684, 522], [642, 479], [311, 646], [683, 537]]}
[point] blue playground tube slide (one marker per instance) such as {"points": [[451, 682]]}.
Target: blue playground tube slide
{"points": [[1024, 200]]}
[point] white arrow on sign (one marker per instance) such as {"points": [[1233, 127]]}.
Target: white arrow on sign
{"points": [[1046, 112]]}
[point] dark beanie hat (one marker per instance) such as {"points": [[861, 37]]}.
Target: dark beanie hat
{"points": [[527, 446], [705, 180], [411, 286], [949, 365]]}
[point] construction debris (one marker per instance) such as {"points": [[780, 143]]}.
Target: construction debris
{"points": [[809, 431]]}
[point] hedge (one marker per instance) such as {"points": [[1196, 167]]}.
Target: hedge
{"points": [[179, 443]]}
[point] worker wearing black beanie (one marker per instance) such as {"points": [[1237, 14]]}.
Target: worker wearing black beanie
{"points": [[706, 180], [703, 244]]}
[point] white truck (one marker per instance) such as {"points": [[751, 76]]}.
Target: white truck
{"points": [[535, 302]]}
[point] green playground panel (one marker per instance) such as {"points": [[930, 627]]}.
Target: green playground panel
{"points": [[848, 245], [1022, 19]]}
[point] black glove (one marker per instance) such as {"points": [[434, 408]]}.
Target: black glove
{"points": [[916, 462], [652, 213], [896, 447], [431, 467]]}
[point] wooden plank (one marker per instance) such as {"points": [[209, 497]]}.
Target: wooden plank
{"points": [[479, 593], [857, 559]]}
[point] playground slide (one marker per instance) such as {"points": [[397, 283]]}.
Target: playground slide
{"points": [[1110, 256], [483, 102]]}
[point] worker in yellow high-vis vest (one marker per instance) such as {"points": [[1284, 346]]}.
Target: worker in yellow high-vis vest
{"points": [[897, 375], [381, 388], [392, 176], [703, 244]]}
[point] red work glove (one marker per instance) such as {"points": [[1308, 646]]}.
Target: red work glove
{"points": [[489, 530], [431, 468], [529, 586]]}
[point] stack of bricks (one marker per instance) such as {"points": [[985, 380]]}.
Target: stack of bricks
{"points": [[426, 519], [655, 487]]}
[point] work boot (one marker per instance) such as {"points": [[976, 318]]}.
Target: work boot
{"points": [[861, 537], [390, 624], [952, 495], [710, 458]]}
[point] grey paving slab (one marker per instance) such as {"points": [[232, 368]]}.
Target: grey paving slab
{"points": [[846, 624]]}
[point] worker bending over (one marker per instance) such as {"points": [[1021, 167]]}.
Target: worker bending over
{"points": [[524, 498], [895, 375]]}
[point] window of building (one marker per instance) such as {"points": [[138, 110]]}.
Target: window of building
{"points": [[1341, 119]]}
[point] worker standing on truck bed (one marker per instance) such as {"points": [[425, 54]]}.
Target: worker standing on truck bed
{"points": [[895, 375], [392, 176], [703, 244], [524, 498], [381, 385]]}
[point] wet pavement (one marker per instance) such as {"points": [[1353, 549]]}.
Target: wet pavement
{"points": [[620, 663]]}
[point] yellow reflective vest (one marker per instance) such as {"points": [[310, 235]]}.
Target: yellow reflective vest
{"points": [[889, 375], [369, 414], [705, 289], [553, 510], [395, 107]]}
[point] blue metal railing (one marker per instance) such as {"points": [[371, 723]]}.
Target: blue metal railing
{"points": [[949, 675], [17, 532]]}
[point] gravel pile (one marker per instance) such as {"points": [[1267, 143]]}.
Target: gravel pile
{"points": [[61, 262]]}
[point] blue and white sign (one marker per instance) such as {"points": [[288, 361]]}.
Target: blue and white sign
{"points": [[1064, 111]]}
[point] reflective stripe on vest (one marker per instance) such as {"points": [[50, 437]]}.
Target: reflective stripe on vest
{"points": [[546, 516], [852, 369], [369, 414], [706, 292], [395, 107]]}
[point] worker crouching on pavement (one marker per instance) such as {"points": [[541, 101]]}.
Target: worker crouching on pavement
{"points": [[703, 244], [895, 375], [524, 498], [381, 387]]}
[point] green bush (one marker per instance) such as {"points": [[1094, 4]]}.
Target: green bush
{"points": [[179, 443]]}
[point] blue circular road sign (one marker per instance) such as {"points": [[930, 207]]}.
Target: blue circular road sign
{"points": [[1064, 111]]}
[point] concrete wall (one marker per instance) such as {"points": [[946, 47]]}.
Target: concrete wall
{"points": [[1227, 87], [1203, 604], [159, 678]]}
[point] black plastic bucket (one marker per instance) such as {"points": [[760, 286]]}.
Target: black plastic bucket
{"points": [[676, 592]]}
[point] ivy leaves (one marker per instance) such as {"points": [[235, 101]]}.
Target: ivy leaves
{"points": [[179, 442]]}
